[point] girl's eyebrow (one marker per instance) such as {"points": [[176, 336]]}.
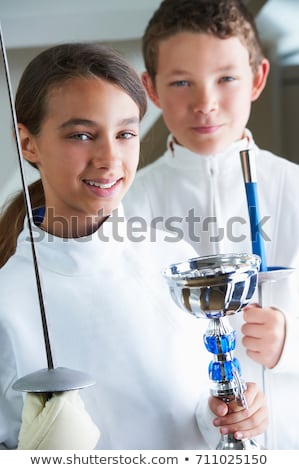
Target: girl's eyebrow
{"points": [[129, 120], [76, 122], [89, 123]]}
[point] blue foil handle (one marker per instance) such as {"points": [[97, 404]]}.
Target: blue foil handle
{"points": [[254, 217], [249, 174]]}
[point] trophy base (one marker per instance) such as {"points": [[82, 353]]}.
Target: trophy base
{"points": [[228, 442]]}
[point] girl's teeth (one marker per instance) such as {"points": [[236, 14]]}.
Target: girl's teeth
{"points": [[101, 185]]}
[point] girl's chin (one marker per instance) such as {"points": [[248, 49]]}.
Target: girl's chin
{"points": [[106, 211]]}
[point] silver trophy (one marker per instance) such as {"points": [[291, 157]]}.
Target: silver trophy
{"points": [[214, 287]]}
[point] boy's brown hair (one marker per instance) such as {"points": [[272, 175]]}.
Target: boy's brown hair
{"points": [[222, 18]]}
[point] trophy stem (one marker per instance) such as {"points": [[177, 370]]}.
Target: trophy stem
{"points": [[225, 375]]}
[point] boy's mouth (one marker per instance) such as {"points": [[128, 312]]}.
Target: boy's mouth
{"points": [[206, 129]]}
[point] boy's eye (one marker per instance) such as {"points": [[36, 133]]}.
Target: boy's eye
{"points": [[227, 79], [180, 83]]}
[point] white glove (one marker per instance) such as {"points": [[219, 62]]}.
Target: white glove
{"points": [[61, 422]]}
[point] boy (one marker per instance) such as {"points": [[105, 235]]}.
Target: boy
{"points": [[204, 68]]}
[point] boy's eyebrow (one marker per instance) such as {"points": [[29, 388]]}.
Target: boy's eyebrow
{"points": [[227, 68], [224, 68], [90, 123]]}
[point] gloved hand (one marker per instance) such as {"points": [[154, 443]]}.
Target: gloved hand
{"points": [[60, 422]]}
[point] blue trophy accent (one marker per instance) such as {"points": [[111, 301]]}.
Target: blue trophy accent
{"points": [[220, 344], [224, 366]]}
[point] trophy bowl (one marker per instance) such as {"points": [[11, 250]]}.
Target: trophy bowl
{"points": [[213, 287]]}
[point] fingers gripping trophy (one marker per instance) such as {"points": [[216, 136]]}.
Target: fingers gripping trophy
{"points": [[215, 287]]}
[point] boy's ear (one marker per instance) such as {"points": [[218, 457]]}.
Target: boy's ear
{"points": [[260, 79], [150, 88], [27, 142]]}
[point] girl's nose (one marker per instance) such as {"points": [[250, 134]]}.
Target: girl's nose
{"points": [[106, 155]]}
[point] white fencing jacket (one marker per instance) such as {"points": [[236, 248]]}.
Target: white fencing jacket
{"points": [[203, 199], [110, 314]]}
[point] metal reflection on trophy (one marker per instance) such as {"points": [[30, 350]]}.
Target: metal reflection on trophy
{"points": [[215, 287]]}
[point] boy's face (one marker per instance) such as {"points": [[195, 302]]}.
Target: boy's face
{"points": [[204, 86]]}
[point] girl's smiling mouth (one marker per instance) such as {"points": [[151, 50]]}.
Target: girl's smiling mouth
{"points": [[104, 187]]}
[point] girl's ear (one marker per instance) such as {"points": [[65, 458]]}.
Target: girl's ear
{"points": [[260, 79], [27, 142], [150, 89]]}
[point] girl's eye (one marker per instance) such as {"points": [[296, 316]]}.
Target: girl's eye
{"points": [[180, 83], [80, 136], [127, 135]]}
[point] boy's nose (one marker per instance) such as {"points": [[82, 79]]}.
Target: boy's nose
{"points": [[204, 101]]}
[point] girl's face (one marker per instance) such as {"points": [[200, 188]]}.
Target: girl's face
{"points": [[204, 86], [87, 152]]}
